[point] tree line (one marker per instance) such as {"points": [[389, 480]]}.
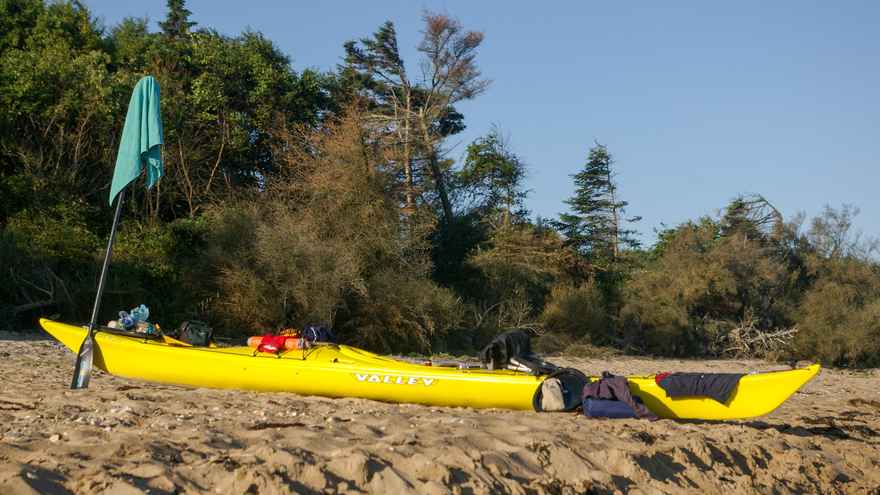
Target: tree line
{"points": [[299, 196]]}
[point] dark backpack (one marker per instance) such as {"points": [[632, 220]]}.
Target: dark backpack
{"points": [[571, 382], [196, 333]]}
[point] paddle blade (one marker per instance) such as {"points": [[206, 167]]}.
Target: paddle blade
{"points": [[84, 357]]}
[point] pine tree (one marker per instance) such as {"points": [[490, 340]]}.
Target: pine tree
{"points": [[595, 224], [177, 23], [492, 178]]}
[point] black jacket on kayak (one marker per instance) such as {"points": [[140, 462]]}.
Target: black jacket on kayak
{"points": [[718, 386]]}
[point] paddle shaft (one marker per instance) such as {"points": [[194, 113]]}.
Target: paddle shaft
{"points": [[83, 369]]}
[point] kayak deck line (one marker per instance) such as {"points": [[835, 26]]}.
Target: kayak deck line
{"points": [[332, 370]]}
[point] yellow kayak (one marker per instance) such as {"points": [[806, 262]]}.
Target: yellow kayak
{"points": [[341, 371]]}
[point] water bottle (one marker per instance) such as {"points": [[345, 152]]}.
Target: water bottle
{"points": [[126, 321]]}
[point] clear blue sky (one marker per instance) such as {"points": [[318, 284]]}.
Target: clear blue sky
{"points": [[697, 102]]}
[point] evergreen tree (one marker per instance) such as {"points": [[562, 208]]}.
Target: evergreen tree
{"points": [[595, 225], [177, 23], [492, 178]]}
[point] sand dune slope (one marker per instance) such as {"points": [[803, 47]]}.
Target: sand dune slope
{"points": [[124, 436]]}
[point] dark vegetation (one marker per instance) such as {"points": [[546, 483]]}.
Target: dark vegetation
{"points": [[297, 196]]}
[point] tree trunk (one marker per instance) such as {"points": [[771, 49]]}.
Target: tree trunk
{"points": [[615, 219], [188, 185], [434, 164], [441, 185], [407, 156]]}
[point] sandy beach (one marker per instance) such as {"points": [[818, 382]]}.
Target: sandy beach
{"points": [[123, 436]]}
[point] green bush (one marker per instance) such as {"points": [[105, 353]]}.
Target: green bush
{"points": [[146, 248], [161, 265], [49, 257], [21, 274], [56, 232]]}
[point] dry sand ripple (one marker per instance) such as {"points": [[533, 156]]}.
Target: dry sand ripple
{"points": [[124, 436]]}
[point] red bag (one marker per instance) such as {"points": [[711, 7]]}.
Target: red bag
{"points": [[272, 343], [275, 343]]}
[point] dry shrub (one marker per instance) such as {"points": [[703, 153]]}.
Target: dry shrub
{"points": [[326, 242], [549, 343], [739, 287], [400, 312], [490, 317], [577, 312], [517, 268], [839, 319], [565, 345], [588, 350], [839, 314], [274, 270], [704, 281], [517, 258]]}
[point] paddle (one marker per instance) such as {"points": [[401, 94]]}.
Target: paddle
{"points": [[83, 370], [139, 149]]}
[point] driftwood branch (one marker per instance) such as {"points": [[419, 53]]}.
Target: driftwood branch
{"points": [[747, 340]]}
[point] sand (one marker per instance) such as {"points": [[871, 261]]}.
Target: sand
{"points": [[123, 436]]}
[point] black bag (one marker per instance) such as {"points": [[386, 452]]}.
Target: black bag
{"points": [[196, 333]]}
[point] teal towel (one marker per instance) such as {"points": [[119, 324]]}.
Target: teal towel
{"points": [[141, 141]]}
